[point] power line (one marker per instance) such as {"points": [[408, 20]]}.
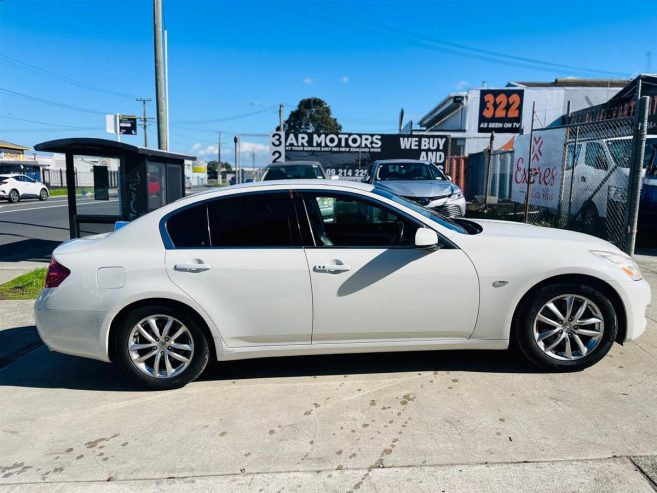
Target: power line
{"points": [[48, 102], [42, 123], [361, 24], [227, 118], [28, 67]]}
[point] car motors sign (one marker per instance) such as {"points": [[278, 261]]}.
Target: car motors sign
{"points": [[500, 110], [546, 156], [350, 154]]}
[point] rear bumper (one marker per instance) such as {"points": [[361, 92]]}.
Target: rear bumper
{"points": [[635, 296], [75, 332]]}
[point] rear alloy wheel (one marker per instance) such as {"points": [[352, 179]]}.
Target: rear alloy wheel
{"points": [[14, 196], [566, 327], [43, 195], [160, 348]]}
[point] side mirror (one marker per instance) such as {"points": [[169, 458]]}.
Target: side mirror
{"points": [[449, 177], [426, 238]]}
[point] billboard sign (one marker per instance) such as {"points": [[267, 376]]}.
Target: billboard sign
{"points": [[349, 155], [128, 125], [121, 124], [500, 110], [546, 156]]}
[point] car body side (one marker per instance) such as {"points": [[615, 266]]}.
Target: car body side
{"points": [[128, 266]]}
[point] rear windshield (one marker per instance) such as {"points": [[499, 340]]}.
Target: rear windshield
{"points": [[293, 172], [408, 171]]}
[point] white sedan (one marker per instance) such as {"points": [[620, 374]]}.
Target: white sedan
{"points": [[15, 187], [310, 267]]}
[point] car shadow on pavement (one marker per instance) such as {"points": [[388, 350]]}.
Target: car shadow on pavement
{"points": [[37, 367]]}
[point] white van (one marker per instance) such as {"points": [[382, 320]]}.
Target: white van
{"points": [[597, 184]]}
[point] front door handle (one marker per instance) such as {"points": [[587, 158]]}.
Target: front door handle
{"points": [[332, 267], [197, 266]]}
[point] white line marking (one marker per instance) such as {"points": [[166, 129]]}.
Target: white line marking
{"points": [[52, 206]]}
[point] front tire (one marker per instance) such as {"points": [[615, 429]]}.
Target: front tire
{"points": [[161, 348], [566, 327], [43, 194]]}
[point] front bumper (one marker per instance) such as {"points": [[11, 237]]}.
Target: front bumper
{"points": [[635, 296], [445, 206]]}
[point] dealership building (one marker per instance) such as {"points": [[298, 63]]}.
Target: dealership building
{"points": [[459, 114]]}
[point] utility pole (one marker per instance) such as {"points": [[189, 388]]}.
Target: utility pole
{"points": [[219, 148], [144, 120], [160, 96], [166, 79], [281, 109], [237, 170], [253, 164]]}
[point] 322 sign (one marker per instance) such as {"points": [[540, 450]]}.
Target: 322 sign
{"points": [[500, 110], [277, 147]]}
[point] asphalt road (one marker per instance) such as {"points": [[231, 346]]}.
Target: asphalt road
{"points": [[31, 229]]}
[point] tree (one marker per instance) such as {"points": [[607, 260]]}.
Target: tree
{"points": [[312, 115]]}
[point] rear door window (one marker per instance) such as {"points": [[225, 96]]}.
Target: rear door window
{"points": [[254, 220]]}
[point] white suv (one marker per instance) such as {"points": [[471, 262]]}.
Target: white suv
{"points": [[16, 187]]}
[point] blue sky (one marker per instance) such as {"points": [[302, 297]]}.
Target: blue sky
{"points": [[227, 59]]}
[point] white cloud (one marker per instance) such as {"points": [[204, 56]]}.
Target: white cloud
{"points": [[462, 84], [249, 147], [208, 150], [344, 79], [246, 148], [309, 81]]}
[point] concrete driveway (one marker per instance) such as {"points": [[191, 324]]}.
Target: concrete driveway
{"points": [[432, 421]]}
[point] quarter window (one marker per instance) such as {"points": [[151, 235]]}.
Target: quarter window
{"points": [[348, 221], [189, 227]]}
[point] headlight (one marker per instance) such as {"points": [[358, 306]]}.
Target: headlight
{"points": [[623, 262], [456, 196]]}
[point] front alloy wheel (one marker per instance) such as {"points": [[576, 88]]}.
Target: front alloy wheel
{"points": [[161, 348], [566, 326], [43, 195]]}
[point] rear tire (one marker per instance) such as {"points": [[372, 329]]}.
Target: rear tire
{"points": [[548, 334], [161, 348], [14, 196]]}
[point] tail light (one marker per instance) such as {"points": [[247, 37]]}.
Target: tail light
{"points": [[56, 274]]}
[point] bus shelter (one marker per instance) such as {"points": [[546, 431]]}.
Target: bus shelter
{"points": [[147, 179]]}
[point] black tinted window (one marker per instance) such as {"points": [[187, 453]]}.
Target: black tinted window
{"points": [[189, 227], [348, 221], [253, 220]]}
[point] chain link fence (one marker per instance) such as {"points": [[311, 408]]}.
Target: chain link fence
{"points": [[576, 177]]}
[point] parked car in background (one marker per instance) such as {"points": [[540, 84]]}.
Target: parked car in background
{"points": [[293, 170], [305, 267], [14, 187], [420, 181]]}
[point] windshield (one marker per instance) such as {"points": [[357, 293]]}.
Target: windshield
{"points": [[293, 172], [428, 213], [621, 150], [408, 171]]}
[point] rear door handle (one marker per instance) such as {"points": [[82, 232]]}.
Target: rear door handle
{"points": [[332, 267], [192, 267]]}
